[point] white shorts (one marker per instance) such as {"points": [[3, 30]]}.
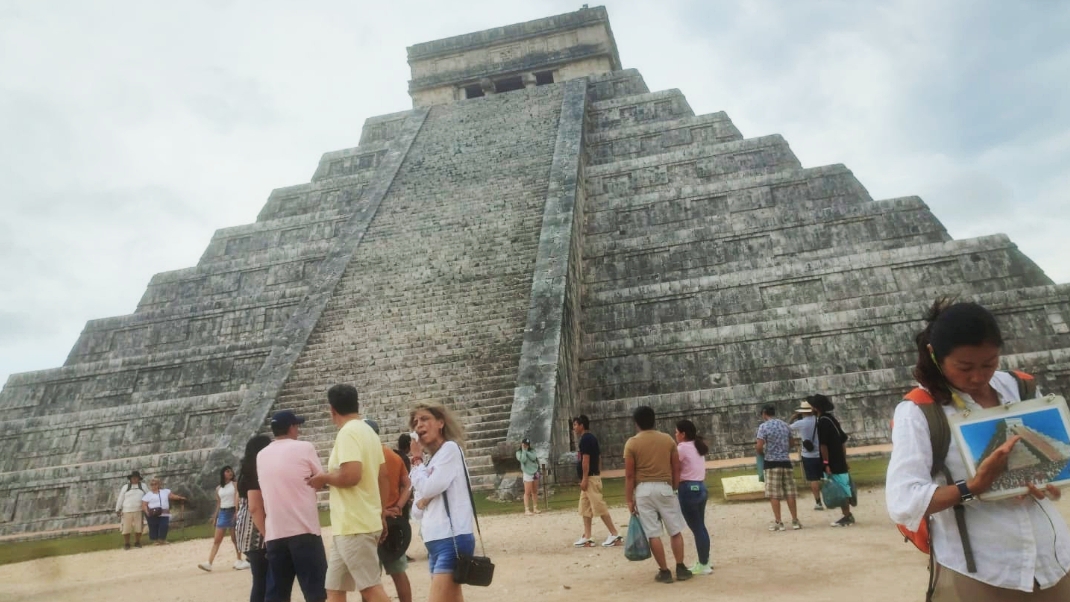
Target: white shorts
{"points": [[658, 506], [529, 478]]}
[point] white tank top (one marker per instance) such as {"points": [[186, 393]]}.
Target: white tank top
{"points": [[226, 495]]}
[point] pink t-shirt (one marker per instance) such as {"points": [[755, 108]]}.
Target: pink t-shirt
{"points": [[692, 465], [290, 504]]}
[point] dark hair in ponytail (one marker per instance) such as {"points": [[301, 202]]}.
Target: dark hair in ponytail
{"points": [[691, 434], [949, 325]]}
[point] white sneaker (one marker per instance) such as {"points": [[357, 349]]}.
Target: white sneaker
{"points": [[701, 569], [205, 566], [240, 565], [613, 540], [584, 542]]}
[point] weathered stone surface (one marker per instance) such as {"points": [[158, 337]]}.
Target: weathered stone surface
{"points": [[581, 245]]}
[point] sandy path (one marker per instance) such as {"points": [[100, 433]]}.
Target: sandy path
{"points": [[535, 558]]}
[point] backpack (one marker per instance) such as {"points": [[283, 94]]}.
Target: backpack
{"points": [[940, 436]]}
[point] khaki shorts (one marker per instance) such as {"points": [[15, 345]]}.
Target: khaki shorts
{"points": [[131, 523], [658, 509], [354, 563], [591, 502], [780, 483]]}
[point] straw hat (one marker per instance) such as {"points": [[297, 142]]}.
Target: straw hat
{"points": [[804, 408]]}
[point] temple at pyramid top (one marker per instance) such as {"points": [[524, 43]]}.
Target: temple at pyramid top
{"points": [[503, 59]]}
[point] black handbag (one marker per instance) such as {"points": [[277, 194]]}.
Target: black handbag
{"points": [[470, 569]]}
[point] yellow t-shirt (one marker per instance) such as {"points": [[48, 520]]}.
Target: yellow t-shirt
{"points": [[358, 509]]}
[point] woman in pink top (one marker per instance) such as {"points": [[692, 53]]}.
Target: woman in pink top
{"points": [[692, 492]]}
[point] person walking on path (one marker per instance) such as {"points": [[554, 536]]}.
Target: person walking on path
{"points": [[226, 507], [354, 472], [692, 491], [1019, 547], [588, 470], [833, 452], [651, 478], [529, 466], [442, 500], [249, 524], [772, 441], [156, 504], [128, 507], [291, 522], [803, 425]]}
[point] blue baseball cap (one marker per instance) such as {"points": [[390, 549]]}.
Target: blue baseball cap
{"points": [[286, 418]]}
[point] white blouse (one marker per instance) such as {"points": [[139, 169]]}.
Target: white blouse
{"points": [[443, 475], [1014, 541]]}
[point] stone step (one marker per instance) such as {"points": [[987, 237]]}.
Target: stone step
{"points": [[337, 194], [351, 161], [628, 111], [659, 137], [850, 341], [970, 260], [172, 328], [615, 84], [727, 416], [692, 166], [669, 259], [258, 236]]}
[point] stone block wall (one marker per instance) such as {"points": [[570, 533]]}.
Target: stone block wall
{"points": [[719, 275]]}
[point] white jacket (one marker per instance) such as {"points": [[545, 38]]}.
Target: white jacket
{"points": [[443, 476]]}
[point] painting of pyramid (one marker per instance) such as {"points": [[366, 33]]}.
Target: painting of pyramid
{"points": [[1041, 455], [539, 235]]}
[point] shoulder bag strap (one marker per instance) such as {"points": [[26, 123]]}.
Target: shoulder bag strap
{"points": [[446, 501]]}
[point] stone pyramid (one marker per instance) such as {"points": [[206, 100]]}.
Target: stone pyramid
{"points": [[541, 235]]}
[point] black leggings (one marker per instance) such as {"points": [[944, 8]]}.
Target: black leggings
{"points": [[258, 566]]}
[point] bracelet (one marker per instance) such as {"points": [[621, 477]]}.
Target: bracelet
{"points": [[826, 462]]}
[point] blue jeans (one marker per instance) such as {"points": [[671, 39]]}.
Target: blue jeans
{"points": [[258, 567], [693, 496], [158, 527]]}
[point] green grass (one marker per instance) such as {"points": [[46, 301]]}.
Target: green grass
{"points": [[865, 472]]}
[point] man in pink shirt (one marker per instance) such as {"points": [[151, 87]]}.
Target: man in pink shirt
{"points": [[294, 545]]}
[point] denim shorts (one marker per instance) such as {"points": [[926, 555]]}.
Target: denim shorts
{"points": [[441, 556], [225, 519]]}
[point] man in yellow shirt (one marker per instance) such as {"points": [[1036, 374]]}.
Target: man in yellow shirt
{"points": [[353, 473]]}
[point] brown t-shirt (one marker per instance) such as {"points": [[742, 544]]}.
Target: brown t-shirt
{"points": [[652, 451]]}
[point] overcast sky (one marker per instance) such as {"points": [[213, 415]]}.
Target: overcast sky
{"points": [[130, 131]]}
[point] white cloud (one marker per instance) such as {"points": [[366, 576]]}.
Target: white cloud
{"points": [[132, 131]]}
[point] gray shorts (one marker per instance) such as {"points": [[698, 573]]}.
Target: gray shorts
{"points": [[658, 508]]}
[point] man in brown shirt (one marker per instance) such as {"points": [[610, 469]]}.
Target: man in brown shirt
{"points": [[651, 476]]}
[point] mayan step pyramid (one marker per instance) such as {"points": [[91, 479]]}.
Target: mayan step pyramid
{"points": [[541, 235]]}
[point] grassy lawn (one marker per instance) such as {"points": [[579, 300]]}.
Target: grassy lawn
{"points": [[866, 472]]}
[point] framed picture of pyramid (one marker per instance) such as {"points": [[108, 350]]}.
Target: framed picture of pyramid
{"points": [[1042, 455]]}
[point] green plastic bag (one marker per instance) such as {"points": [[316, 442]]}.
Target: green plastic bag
{"points": [[636, 545]]}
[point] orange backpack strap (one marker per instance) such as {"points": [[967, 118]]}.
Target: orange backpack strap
{"points": [[919, 396], [1027, 385]]}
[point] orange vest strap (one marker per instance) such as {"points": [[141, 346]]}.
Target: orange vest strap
{"points": [[919, 396]]}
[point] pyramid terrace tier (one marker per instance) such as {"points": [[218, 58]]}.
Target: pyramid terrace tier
{"points": [[339, 195], [252, 319], [656, 359], [71, 496], [129, 380], [616, 84], [728, 417], [259, 236], [132, 431], [660, 137], [636, 110]]}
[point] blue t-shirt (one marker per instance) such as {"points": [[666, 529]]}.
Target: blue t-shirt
{"points": [[588, 445], [776, 434]]}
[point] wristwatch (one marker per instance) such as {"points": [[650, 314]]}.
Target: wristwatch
{"points": [[964, 491]]}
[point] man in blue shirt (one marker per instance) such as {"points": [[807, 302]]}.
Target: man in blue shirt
{"points": [[772, 441]]}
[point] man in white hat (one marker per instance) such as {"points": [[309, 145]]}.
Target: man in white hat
{"points": [[804, 428]]}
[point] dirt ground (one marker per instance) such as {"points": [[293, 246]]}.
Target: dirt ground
{"points": [[534, 557]]}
